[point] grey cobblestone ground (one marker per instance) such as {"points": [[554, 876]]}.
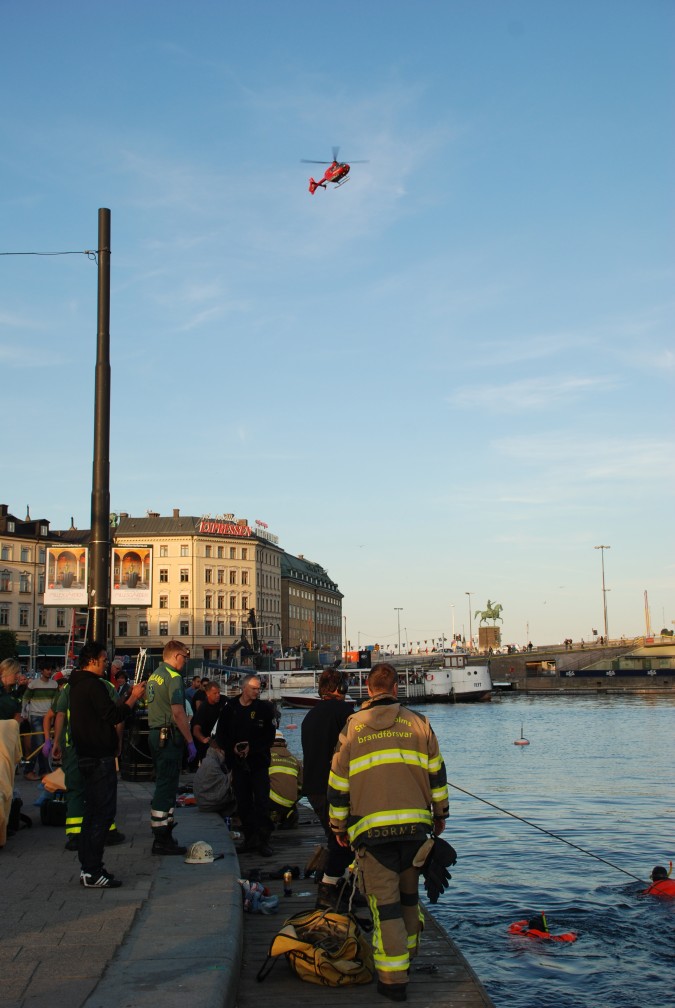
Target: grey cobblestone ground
{"points": [[172, 932]]}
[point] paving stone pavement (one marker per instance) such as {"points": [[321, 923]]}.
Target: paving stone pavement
{"points": [[171, 934]]}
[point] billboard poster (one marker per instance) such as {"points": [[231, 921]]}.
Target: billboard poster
{"points": [[131, 571], [67, 576]]}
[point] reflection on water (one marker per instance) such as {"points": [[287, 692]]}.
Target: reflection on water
{"points": [[598, 773]]}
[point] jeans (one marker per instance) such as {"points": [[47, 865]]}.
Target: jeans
{"points": [[37, 738], [100, 804]]}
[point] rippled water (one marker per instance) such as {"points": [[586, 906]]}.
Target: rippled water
{"points": [[599, 773]]}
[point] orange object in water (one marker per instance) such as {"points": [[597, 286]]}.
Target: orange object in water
{"points": [[663, 887], [523, 928]]}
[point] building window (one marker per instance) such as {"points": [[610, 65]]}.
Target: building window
{"points": [[24, 583], [42, 617], [208, 627], [4, 615], [25, 554], [233, 577], [163, 575], [233, 601], [208, 575], [185, 601], [44, 530], [163, 628], [164, 551], [42, 555], [6, 552], [221, 628], [221, 576], [208, 552], [184, 628], [221, 553], [221, 601], [244, 553], [163, 601], [185, 551], [207, 602], [122, 628], [41, 583], [60, 619], [184, 574], [143, 628], [5, 581], [233, 553], [244, 602], [244, 577], [233, 628]]}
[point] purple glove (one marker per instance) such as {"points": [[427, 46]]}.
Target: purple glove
{"points": [[192, 752], [47, 748]]}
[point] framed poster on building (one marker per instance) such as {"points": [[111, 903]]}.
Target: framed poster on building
{"points": [[131, 572], [67, 576]]}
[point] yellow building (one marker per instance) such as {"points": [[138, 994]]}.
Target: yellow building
{"points": [[208, 575]]}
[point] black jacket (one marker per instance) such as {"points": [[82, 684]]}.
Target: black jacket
{"points": [[93, 715], [320, 731]]}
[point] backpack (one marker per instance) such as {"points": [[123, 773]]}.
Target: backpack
{"points": [[322, 947], [53, 812]]}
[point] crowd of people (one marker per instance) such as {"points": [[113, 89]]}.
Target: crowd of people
{"points": [[375, 779]]}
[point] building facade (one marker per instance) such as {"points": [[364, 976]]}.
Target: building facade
{"points": [[212, 577], [311, 607]]}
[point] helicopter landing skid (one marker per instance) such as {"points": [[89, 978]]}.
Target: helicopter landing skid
{"points": [[338, 184]]}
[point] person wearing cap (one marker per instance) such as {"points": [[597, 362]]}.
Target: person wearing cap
{"points": [[11, 690], [169, 736], [285, 784], [661, 885]]}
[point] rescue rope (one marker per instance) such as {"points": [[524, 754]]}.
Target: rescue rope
{"points": [[542, 830]]}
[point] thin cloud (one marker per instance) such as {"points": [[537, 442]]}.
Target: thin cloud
{"points": [[532, 393]]}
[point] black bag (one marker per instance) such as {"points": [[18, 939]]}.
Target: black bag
{"points": [[17, 819], [53, 812]]}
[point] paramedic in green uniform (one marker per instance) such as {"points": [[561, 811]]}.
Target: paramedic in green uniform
{"points": [[169, 734]]}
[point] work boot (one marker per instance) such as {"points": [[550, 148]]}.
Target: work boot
{"points": [[71, 843], [395, 992], [114, 837], [165, 844], [250, 844], [264, 848]]}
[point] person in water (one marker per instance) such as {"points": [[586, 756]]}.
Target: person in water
{"points": [[661, 885]]}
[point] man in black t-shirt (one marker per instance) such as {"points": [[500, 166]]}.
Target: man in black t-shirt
{"points": [[205, 719], [320, 731], [246, 729]]}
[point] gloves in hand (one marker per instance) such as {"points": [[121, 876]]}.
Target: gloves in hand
{"points": [[192, 752], [435, 873], [47, 748]]}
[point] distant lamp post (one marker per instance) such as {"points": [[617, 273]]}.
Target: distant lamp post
{"points": [[453, 622], [604, 590], [398, 610], [470, 623]]}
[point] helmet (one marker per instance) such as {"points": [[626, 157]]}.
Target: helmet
{"points": [[200, 853], [279, 739]]}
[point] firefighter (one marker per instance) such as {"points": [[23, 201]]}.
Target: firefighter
{"points": [[387, 793]]}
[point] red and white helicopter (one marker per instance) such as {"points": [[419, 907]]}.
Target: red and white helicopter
{"points": [[336, 172]]}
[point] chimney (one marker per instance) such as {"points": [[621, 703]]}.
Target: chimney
{"points": [[152, 514], [27, 518], [124, 514], [176, 512]]}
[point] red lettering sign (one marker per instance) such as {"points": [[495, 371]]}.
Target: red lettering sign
{"points": [[223, 528]]}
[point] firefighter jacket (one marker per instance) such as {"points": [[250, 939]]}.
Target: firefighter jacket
{"points": [[387, 779], [285, 777]]}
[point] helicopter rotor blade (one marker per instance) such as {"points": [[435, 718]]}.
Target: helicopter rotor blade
{"points": [[335, 153], [305, 160]]}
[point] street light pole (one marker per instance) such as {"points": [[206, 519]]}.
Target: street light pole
{"points": [[398, 610], [604, 590], [453, 621], [470, 623]]}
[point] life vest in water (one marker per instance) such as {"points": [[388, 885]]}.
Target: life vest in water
{"points": [[663, 887], [523, 928]]}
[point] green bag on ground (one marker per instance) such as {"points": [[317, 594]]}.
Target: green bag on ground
{"points": [[322, 947]]}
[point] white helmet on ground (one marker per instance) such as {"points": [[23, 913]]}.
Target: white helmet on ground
{"points": [[201, 853]]}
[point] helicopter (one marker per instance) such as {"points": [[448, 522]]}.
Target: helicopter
{"points": [[336, 172]]}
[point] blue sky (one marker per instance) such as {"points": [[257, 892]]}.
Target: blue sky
{"points": [[453, 374]]}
